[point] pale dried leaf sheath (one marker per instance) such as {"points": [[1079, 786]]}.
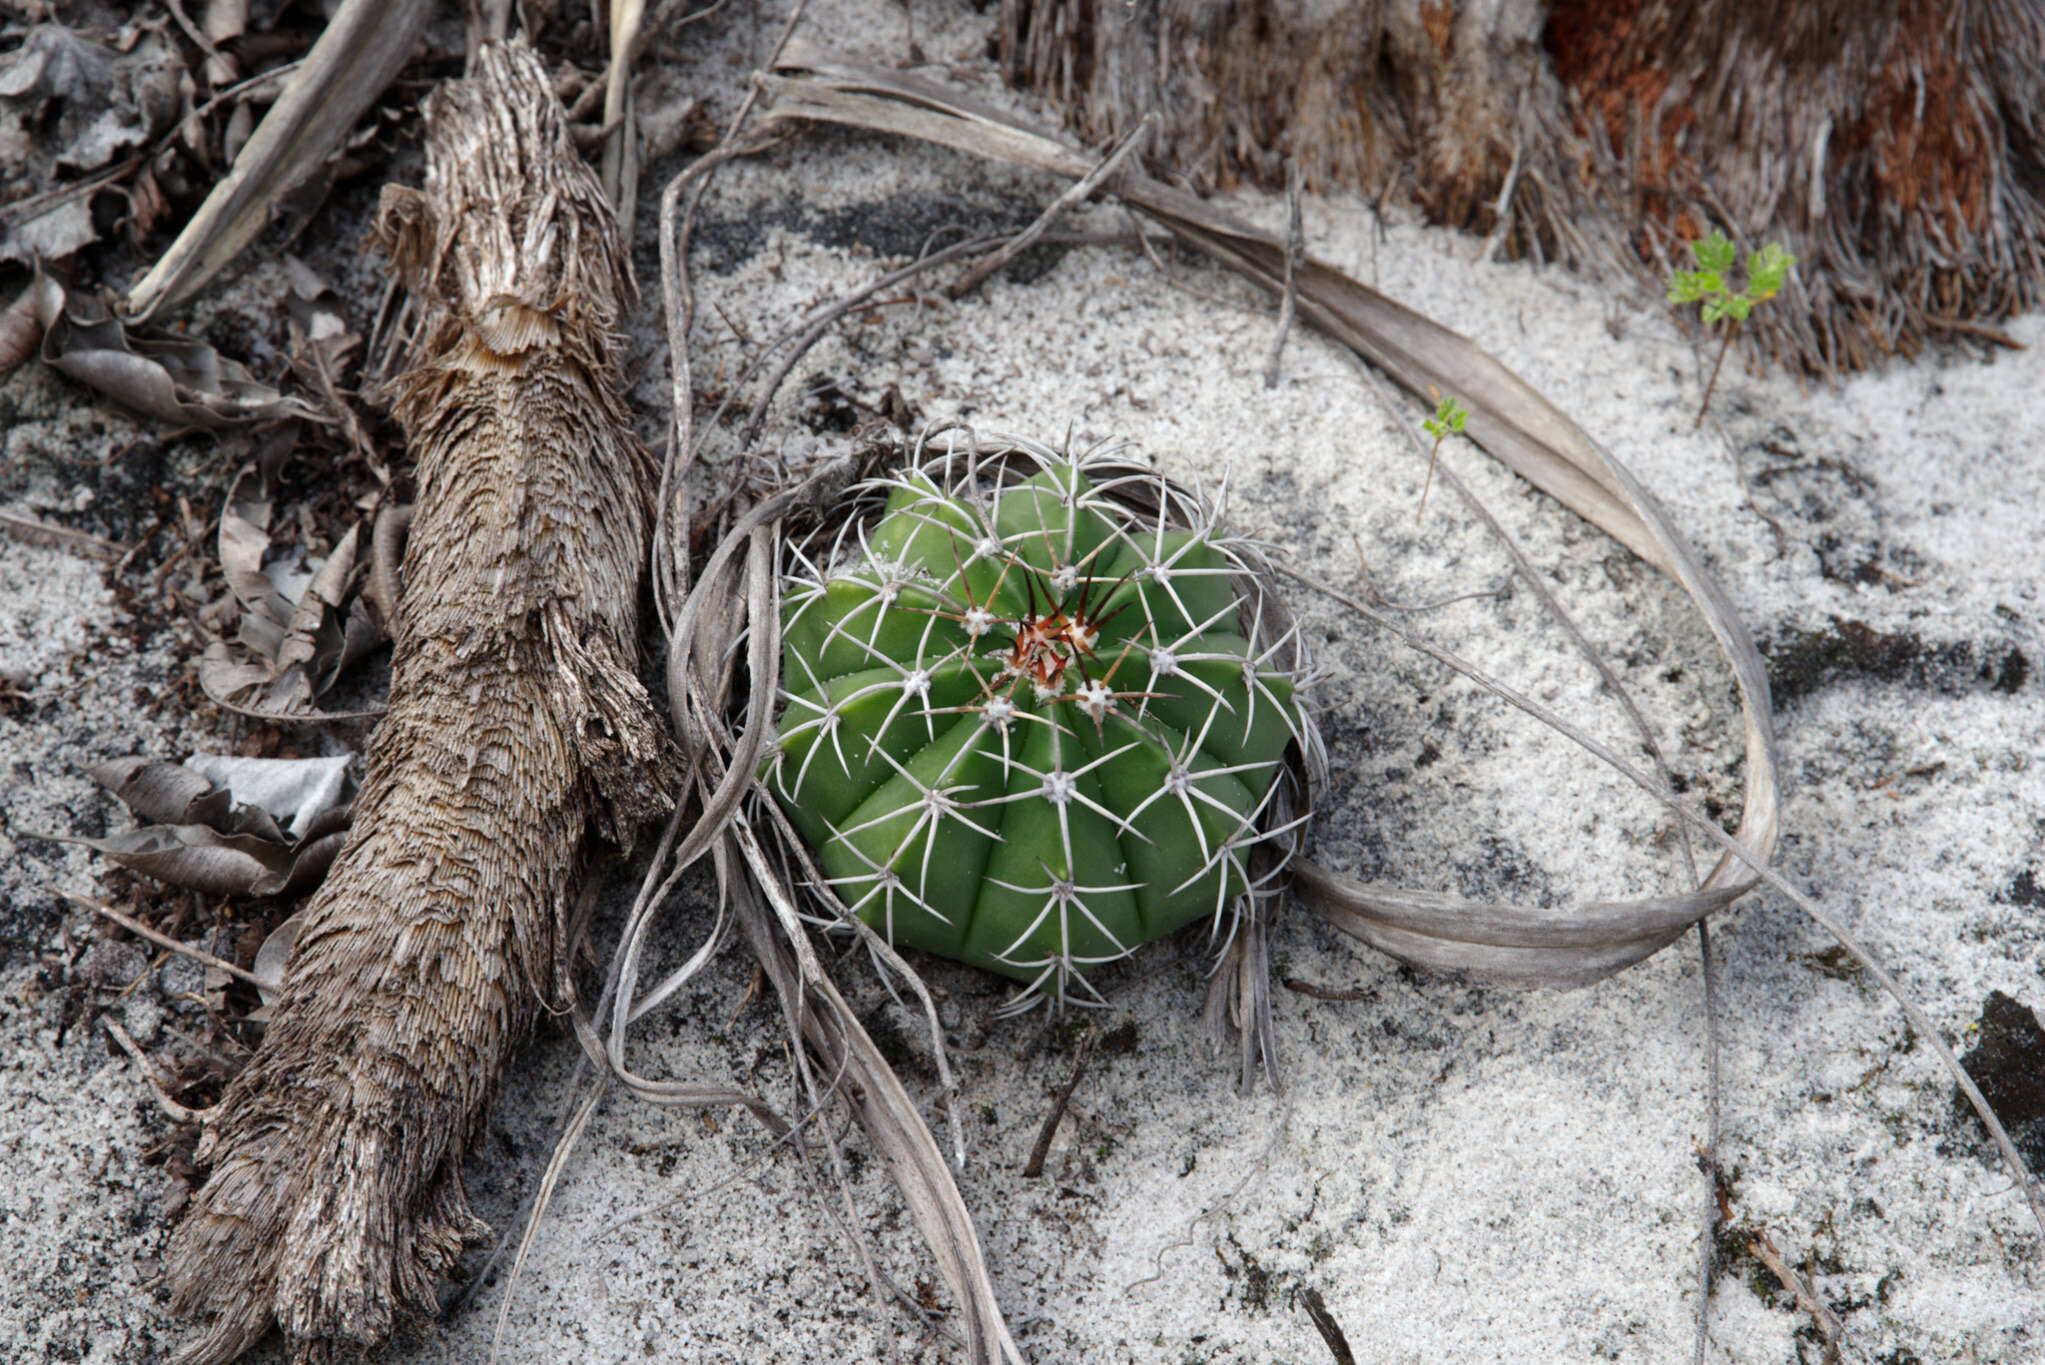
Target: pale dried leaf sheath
{"points": [[517, 733]]}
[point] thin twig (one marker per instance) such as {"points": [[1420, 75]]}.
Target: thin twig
{"points": [[1078, 193], [1549, 603], [1301, 986], [1828, 1325], [141, 930], [1978, 329], [1707, 1158], [808, 333], [1705, 406], [128, 1045], [670, 552], [1501, 211], [1034, 1167], [1295, 248], [33, 532]]}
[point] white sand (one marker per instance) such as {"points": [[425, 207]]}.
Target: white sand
{"points": [[1465, 1174]]}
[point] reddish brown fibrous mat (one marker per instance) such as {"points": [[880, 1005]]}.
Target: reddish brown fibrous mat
{"points": [[1898, 149]]}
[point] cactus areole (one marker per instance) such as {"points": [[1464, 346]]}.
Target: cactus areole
{"points": [[1025, 725]]}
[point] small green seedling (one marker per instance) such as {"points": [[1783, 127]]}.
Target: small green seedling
{"points": [[1767, 271], [1449, 416]]}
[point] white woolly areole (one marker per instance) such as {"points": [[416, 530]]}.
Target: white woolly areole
{"points": [[1095, 698]]}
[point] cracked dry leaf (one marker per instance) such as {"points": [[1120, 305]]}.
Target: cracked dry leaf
{"points": [[285, 654], [183, 383], [201, 836], [70, 106]]}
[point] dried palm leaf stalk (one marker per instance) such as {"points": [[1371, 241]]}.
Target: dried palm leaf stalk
{"points": [[518, 733], [1897, 149]]}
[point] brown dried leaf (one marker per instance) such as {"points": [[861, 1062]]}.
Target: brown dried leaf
{"points": [[51, 235], [202, 838], [319, 322], [289, 653], [73, 106], [195, 857], [21, 330], [298, 793], [106, 102], [184, 383], [163, 793]]}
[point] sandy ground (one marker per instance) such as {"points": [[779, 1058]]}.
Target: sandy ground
{"points": [[1464, 1174]]}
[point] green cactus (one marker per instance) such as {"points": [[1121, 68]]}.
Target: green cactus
{"points": [[1028, 730]]}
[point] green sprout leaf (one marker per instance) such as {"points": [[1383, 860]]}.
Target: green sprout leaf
{"points": [[1767, 271], [1714, 253], [1691, 286], [1449, 416]]}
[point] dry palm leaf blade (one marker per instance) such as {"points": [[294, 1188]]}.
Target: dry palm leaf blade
{"points": [[517, 738], [365, 44]]}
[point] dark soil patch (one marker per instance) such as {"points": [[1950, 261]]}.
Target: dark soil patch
{"points": [[2008, 1063], [1803, 662]]}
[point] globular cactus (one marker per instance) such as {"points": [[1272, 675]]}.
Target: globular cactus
{"points": [[1034, 720]]}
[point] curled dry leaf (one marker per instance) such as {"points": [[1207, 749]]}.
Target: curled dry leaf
{"points": [[73, 107], [200, 836], [183, 383], [20, 329], [322, 347], [285, 654], [295, 792]]}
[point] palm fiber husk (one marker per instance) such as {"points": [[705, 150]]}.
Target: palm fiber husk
{"points": [[1897, 148]]}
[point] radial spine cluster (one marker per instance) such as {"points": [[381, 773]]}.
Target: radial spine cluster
{"points": [[1025, 724]]}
